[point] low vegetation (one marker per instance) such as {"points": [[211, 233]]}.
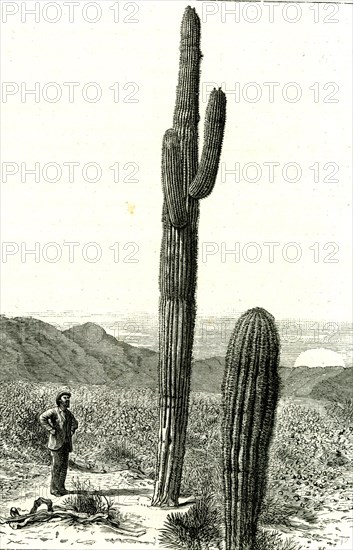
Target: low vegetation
{"points": [[196, 529], [87, 500], [272, 540], [310, 453]]}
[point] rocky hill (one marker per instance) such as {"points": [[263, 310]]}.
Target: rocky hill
{"points": [[36, 351], [122, 363], [337, 388], [33, 350]]}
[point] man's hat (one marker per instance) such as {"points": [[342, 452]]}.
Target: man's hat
{"points": [[60, 394]]}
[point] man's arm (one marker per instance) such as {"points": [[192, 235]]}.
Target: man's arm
{"points": [[74, 424], [44, 421]]}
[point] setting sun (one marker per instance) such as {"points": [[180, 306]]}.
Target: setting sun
{"points": [[319, 357]]}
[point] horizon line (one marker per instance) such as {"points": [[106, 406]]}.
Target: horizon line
{"points": [[202, 314]]}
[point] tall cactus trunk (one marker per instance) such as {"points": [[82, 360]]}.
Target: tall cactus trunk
{"points": [[250, 394], [184, 182]]}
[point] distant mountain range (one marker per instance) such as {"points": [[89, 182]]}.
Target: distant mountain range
{"points": [[212, 333], [37, 351]]}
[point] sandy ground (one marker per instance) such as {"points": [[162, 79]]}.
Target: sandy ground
{"points": [[132, 496]]}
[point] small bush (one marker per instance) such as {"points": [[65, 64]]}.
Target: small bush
{"points": [[196, 529], [272, 540], [276, 511], [342, 411], [88, 500], [348, 411], [199, 476], [118, 451]]}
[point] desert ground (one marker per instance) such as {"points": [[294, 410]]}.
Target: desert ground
{"points": [[310, 476]]}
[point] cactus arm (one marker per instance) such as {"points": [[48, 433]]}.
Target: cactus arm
{"points": [[215, 118], [172, 179]]}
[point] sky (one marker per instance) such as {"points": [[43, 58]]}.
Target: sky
{"points": [[276, 231]]}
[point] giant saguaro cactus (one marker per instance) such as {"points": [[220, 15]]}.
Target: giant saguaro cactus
{"points": [[250, 392], [184, 182]]}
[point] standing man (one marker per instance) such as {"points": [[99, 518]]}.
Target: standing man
{"points": [[61, 425]]}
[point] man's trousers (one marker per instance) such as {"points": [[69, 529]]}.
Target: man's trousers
{"points": [[60, 463]]}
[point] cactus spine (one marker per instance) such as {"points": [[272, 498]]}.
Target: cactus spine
{"points": [[249, 394], [184, 182]]}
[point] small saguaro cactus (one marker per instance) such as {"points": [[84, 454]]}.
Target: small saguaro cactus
{"points": [[249, 398], [185, 180]]}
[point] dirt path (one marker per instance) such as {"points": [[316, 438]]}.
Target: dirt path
{"points": [[132, 494]]}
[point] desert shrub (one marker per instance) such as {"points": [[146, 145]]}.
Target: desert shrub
{"points": [[347, 413], [196, 529], [87, 500], [272, 540], [202, 462], [118, 450], [201, 470], [276, 511], [342, 411]]}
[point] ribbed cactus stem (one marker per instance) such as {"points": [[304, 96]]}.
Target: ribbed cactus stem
{"points": [[172, 179], [186, 110], [178, 259], [250, 394]]}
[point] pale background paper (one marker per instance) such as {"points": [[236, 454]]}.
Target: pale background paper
{"points": [[138, 56], [105, 132]]}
